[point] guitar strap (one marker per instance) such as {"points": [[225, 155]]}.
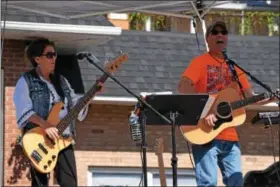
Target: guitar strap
{"points": [[235, 76]]}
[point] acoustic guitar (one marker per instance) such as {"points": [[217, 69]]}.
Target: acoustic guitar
{"points": [[43, 151], [228, 106]]}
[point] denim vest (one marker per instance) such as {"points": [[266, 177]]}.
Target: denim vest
{"points": [[40, 96]]}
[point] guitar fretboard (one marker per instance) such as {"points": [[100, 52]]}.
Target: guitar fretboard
{"points": [[74, 112], [247, 101]]}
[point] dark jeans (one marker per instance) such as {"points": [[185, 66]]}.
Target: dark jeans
{"points": [[65, 171]]}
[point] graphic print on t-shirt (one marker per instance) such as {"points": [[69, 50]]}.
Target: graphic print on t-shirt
{"points": [[217, 78]]}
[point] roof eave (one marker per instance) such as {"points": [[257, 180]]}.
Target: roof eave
{"points": [[61, 28]]}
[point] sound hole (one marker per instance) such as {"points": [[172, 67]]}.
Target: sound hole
{"points": [[224, 109]]}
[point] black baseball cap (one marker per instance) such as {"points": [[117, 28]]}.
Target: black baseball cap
{"points": [[214, 25]]}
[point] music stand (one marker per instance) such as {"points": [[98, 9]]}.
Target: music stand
{"points": [[181, 110]]}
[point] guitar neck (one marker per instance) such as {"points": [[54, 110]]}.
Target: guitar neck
{"points": [[73, 113], [247, 101], [161, 170]]}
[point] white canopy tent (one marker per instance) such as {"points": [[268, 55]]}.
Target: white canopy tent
{"points": [[86, 34], [69, 10]]}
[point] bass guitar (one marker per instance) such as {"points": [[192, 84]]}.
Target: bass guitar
{"points": [[43, 151], [228, 106]]}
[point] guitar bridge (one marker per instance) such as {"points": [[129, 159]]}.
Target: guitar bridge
{"points": [[220, 121], [36, 156]]}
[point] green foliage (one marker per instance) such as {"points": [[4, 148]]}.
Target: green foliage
{"points": [[252, 20], [160, 23], [137, 21]]}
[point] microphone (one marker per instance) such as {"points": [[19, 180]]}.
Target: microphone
{"points": [[82, 55], [135, 126]]}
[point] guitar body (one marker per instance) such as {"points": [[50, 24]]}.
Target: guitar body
{"points": [[265, 178], [42, 151], [202, 133]]}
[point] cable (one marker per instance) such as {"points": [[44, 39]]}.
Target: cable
{"points": [[189, 150], [194, 26]]}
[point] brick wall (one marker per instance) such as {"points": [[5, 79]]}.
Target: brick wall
{"points": [[104, 137], [14, 162]]}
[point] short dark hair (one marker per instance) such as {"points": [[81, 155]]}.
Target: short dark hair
{"points": [[214, 25], [36, 48]]}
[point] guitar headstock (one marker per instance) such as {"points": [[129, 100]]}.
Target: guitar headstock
{"points": [[113, 65], [159, 147]]}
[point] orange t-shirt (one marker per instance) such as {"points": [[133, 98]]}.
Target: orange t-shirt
{"points": [[211, 75]]}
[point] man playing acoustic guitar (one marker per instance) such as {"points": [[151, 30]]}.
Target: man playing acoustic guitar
{"points": [[36, 92], [209, 73]]}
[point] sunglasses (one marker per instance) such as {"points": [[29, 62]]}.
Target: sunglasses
{"points": [[215, 32], [49, 55]]}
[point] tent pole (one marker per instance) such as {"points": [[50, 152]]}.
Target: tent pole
{"points": [[203, 24]]}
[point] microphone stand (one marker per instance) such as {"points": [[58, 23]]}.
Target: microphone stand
{"points": [[143, 104], [255, 79]]}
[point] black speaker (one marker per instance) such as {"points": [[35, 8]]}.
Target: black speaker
{"points": [[68, 66]]}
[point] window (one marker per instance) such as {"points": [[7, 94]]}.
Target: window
{"points": [[132, 177]]}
